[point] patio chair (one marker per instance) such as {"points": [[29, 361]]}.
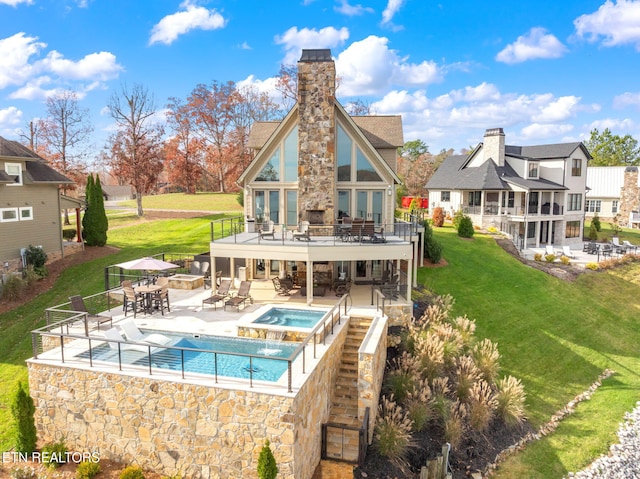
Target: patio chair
{"points": [[303, 232], [220, 295], [241, 297], [591, 247], [77, 303], [132, 333], [566, 251], [114, 339], [133, 301], [630, 246], [368, 230], [343, 230], [606, 250], [195, 268], [356, 228], [160, 299], [268, 229], [282, 286], [549, 250]]}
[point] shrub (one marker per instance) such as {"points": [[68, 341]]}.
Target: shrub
{"points": [[23, 410], [537, 257], [69, 233], [54, 454], [466, 376], [132, 472], [434, 251], [481, 405], [454, 425], [392, 432], [87, 469], [565, 260], [592, 266], [595, 221], [550, 258], [13, 287], [593, 233], [465, 229], [438, 217], [510, 401], [457, 217], [418, 407], [267, 468], [36, 257], [487, 359], [240, 197]]}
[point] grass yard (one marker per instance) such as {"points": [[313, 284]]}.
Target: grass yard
{"points": [[219, 202], [555, 336]]}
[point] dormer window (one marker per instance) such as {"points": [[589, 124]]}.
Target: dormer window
{"points": [[14, 170], [534, 169], [576, 167]]}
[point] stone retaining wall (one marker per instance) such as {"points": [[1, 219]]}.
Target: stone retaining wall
{"points": [[196, 431]]}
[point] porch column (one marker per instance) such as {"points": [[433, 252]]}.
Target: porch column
{"points": [[417, 262], [411, 281], [309, 282], [232, 273], [78, 227]]}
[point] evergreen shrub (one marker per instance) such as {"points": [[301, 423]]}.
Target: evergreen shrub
{"points": [[23, 410], [54, 454], [465, 229], [132, 472], [36, 257], [87, 469], [267, 468], [595, 221]]}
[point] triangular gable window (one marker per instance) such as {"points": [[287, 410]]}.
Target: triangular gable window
{"points": [[285, 164], [348, 155], [271, 171]]}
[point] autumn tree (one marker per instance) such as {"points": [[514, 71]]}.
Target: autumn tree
{"points": [[287, 85], [184, 150], [64, 137], [608, 149], [135, 152]]}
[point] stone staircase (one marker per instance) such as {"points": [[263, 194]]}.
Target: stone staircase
{"points": [[343, 443]]}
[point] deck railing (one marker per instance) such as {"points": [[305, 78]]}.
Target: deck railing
{"points": [[115, 275], [60, 320]]}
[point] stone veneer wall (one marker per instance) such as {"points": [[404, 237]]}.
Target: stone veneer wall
{"points": [[372, 357], [196, 431], [316, 138], [629, 195]]}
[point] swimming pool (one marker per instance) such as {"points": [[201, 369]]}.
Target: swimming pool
{"points": [[294, 318], [230, 365]]}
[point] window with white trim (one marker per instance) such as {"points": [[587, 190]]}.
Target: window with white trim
{"points": [[26, 213], [614, 206], [14, 170], [9, 214], [445, 196], [534, 167], [592, 206], [576, 167], [575, 202]]}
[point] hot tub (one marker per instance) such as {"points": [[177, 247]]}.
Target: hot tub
{"points": [[186, 281], [279, 323]]}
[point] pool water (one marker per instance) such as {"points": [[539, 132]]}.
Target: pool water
{"points": [[294, 318], [264, 369]]}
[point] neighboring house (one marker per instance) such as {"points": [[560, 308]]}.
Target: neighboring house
{"points": [[318, 165], [535, 194], [30, 204], [613, 192], [117, 192]]}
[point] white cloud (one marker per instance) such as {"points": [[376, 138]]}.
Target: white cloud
{"points": [[295, 40], [15, 3], [245, 46], [556, 110], [369, 67], [10, 119], [536, 131], [102, 66], [534, 44], [389, 12], [617, 23], [191, 18], [351, 10], [15, 52], [627, 99]]}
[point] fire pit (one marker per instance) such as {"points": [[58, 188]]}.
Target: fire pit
{"points": [[185, 281]]}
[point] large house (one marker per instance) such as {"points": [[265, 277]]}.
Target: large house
{"points": [[30, 204], [613, 193], [535, 194], [315, 167]]}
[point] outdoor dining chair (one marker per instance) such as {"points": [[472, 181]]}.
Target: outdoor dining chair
{"points": [[160, 298]]}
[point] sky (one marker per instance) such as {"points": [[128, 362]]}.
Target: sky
{"points": [[545, 71]]}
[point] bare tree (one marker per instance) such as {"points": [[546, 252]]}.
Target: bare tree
{"points": [[64, 137], [287, 85], [136, 150]]}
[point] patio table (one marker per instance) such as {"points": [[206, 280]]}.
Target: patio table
{"points": [[147, 291]]}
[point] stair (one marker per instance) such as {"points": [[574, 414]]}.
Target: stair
{"points": [[343, 443]]}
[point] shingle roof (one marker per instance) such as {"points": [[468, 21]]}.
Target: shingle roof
{"points": [[40, 172], [542, 152], [382, 131], [37, 169], [4, 178], [14, 149]]}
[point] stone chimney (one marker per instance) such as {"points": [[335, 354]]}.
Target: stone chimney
{"points": [[629, 195], [493, 145], [316, 136]]}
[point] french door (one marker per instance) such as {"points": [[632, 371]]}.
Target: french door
{"points": [[370, 205]]}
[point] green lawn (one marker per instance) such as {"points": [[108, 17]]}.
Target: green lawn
{"points": [[555, 336], [219, 202]]}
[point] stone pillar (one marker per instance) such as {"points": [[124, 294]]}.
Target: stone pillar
{"points": [[629, 195], [316, 134]]}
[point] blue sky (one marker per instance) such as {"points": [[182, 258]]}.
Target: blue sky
{"points": [[545, 71]]}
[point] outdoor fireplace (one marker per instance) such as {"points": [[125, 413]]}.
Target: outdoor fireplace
{"points": [[315, 217]]}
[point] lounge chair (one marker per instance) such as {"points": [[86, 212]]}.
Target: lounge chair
{"points": [[220, 295], [282, 286], [549, 250], [77, 303], [132, 333], [268, 229], [619, 248], [114, 339], [566, 251], [302, 233], [241, 297], [630, 246]]}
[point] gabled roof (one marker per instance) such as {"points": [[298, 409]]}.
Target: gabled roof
{"points": [[454, 175], [546, 152], [381, 131], [37, 168]]}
